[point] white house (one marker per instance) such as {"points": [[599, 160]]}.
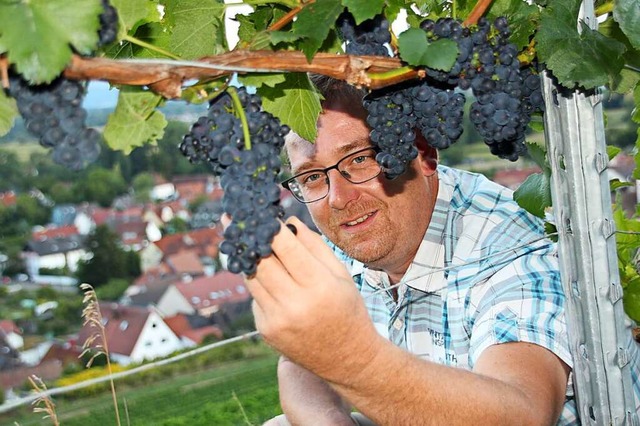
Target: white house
{"points": [[12, 334], [134, 333]]}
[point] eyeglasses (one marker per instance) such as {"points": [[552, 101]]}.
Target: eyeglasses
{"points": [[313, 185]]}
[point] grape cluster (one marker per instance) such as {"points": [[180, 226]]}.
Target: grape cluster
{"points": [[506, 93], [367, 38], [53, 112], [394, 114], [108, 31], [248, 174]]}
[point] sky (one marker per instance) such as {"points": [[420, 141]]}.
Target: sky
{"points": [[99, 95]]}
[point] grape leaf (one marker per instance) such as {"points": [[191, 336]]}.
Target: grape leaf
{"points": [[195, 22], [612, 151], [135, 120], [631, 300], [522, 19], [628, 77], [295, 102], [534, 195], [627, 14], [314, 22], [152, 33], [587, 58], [261, 79], [133, 13], [363, 9], [8, 113], [38, 35], [415, 50]]}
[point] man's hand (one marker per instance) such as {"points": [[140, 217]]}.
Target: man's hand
{"points": [[307, 307]]}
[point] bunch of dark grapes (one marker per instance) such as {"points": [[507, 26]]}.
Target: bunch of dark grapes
{"points": [[395, 114], [108, 24], [248, 174], [368, 38], [53, 112], [506, 93]]}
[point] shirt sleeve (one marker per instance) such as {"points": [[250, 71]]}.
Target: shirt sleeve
{"points": [[521, 302]]}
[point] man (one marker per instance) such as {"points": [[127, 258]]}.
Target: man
{"points": [[456, 316]]}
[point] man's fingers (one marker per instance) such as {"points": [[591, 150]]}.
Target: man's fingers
{"points": [[316, 245]]}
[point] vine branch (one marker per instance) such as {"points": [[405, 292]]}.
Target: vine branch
{"points": [[478, 10], [166, 77]]}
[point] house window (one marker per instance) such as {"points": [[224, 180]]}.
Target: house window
{"points": [[123, 325], [104, 321], [195, 300], [213, 295], [148, 343], [240, 289], [154, 325], [164, 340]]}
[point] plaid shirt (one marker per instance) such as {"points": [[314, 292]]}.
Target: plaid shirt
{"points": [[484, 274]]}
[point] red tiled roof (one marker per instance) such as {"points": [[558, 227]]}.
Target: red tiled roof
{"points": [[153, 274], [179, 324], [185, 262], [513, 178], [122, 329], [8, 199], [221, 288], [9, 326], [199, 238], [54, 232]]}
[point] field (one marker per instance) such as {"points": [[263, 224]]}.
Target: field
{"points": [[241, 392], [23, 150]]}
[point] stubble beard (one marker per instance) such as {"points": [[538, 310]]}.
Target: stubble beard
{"points": [[368, 246]]}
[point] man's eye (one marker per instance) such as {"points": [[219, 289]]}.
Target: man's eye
{"points": [[312, 178]]}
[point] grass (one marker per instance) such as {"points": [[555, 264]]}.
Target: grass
{"points": [[217, 396]]}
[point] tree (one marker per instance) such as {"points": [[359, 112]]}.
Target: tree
{"points": [[108, 259], [101, 186]]}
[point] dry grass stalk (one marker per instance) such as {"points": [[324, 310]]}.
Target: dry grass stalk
{"points": [[96, 344], [244, 413], [43, 404]]}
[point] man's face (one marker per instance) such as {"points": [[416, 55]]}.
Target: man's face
{"points": [[379, 222]]}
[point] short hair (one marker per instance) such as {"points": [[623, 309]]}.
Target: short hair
{"points": [[332, 90]]}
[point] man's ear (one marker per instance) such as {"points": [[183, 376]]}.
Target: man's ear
{"points": [[427, 155]]}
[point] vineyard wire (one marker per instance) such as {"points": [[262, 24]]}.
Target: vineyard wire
{"points": [[76, 386]]}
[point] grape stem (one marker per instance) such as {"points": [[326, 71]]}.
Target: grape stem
{"points": [[395, 76], [151, 47], [478, 10], [4, 71], [237, 106]]}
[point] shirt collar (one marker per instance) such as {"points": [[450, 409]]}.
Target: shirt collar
{"points": [[426, 272]]}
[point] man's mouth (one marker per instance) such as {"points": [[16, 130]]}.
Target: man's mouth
{"points": [[359, 220]]}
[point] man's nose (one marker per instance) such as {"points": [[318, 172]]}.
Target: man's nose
{"points": [[341, 191]]}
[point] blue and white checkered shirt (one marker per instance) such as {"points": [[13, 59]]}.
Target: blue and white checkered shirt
{"points": [[484, 274]]}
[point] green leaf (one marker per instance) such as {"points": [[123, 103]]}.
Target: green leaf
{"points": [[612, 151], [587, 58], [617, 183], [135, 120], [627, 14], [133, 13], [534, 195], [295, 102], [415, 50], [363, 9], [523, 18], [314, 22], [539, 156], [262, 79], [195, 23], [38, 35], [8, 113]]}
